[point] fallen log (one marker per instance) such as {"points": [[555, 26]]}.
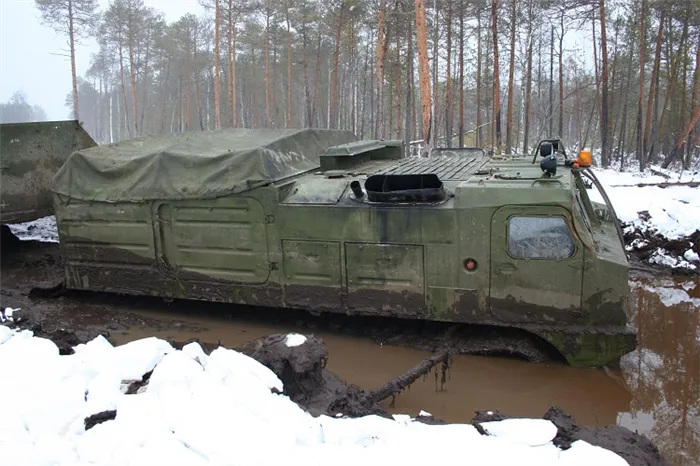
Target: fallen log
{"points": [[398, 384]]}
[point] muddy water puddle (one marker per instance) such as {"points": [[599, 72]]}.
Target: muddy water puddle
{"points": [[474, 382], [655, 392], [663, 375]]}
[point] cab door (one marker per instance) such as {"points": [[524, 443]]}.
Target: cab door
{"points": [[536, 266]]}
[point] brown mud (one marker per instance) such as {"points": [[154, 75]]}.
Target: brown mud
{"points": [[656, 393], [94, 419]]}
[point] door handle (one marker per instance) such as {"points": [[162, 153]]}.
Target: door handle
{"points": [[506, 268]]}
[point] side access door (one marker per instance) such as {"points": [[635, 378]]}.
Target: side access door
{"points": [[219, 240], [536, 266]]}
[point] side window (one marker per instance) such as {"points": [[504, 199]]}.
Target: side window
{"points": [[539, 238]]}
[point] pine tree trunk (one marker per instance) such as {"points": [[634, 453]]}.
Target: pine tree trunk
{"points": [[448, 79], [410, 116], [364, 90], [550, 115], [496, 81], [511, 76], [289, 68], [230, 36], [196, 75], [74, 75], [604, 121], [333, 110], [596, 72], [479, 133], [217, 65], [307, 91], [694, 137], [268, 90], [399, 123], [640, 108], [125, 110], [423, 71], [132, 81], [652, 84], [253, 82], [461, 73], [144, 91], [317, 80], [436, 60], [378, 129], [528, 78], [561, 75]]}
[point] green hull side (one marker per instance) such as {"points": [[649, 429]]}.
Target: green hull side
{"points": [[252, 250]]}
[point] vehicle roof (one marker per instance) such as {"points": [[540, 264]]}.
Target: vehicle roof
{"points": [[320, 163], [474, 179]]}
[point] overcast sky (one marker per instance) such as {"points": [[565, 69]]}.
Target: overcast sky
{"points": [[28, 60]]}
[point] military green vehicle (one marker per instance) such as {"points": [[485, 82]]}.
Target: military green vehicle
{"points": [[30, 156], [317, 220]]}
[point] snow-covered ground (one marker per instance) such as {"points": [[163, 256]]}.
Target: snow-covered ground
{"points": [[43, 229], [220, 409], [672, 212]]}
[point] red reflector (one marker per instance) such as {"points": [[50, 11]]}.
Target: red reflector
{"points": [[470, 264]]}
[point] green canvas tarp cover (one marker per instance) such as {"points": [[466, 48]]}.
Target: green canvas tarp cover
{"points": [[192, 165]]}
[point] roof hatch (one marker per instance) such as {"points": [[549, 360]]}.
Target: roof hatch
{"points": [[351, 155], [405, 188]]}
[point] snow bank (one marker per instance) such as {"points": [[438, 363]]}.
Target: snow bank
{"points": [[42, 229], [223, 408], [673, 211], [658, 213]]}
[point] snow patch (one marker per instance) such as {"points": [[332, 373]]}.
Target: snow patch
{"points": [[532, 432], [42, 229], [671, 210], [295, 339], [662, 257], [220, 409], [691, 256], [7, 313]]}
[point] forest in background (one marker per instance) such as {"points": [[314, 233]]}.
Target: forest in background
{"points": [[494, 73], [18, 110]]}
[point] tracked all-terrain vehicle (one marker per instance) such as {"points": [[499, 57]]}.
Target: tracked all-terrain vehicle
{"points": [[30, 155], [317, 220]]}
